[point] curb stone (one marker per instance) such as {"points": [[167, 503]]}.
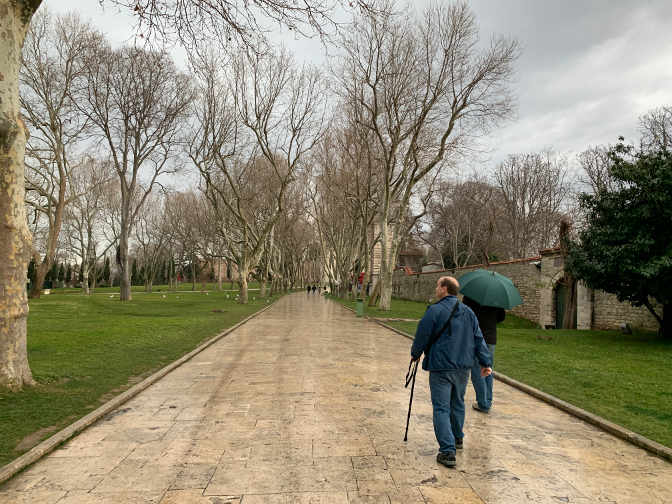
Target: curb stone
{"points": [[612, 428], [54, 441]]}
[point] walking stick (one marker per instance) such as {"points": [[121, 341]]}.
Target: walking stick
{"points": [[412, 370]]}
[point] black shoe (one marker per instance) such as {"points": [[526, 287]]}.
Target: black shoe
{"points": [[459, 443], [479, 409], [447, 459]]}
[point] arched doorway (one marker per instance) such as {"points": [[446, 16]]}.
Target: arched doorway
{"points": [[560, 306]]}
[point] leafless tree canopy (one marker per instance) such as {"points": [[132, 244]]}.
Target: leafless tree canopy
{"points": [[656, 129], [51, 64], [137, 101], [427, 93], [534, 190], [595, 168], [194, 22]]}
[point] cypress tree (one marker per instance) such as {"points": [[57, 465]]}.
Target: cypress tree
{"points": [[106, 271], [80, 278], [134, 272], [68, 275], [61, 273], [31, 271]]}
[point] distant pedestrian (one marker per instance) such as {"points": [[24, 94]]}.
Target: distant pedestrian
{"points": [[319, 290], [449, 335], [488, 318], [309, 289], [314, 288]]}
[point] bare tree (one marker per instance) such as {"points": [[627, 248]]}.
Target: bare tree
{"points": [[533, 192], [457, 224], [656, 129], [137, 100], [50, 67], [249, 150], [427, 92], [595, 169], [86, 219], [151, 236]]}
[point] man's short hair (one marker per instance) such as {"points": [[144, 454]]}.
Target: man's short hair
{"points": [[451, 284]]}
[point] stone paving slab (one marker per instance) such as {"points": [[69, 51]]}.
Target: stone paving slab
{"points": [[306, 404]]}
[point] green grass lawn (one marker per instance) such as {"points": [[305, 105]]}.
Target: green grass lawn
{"points": [[182, 287], [84, 350], [621, 378]]}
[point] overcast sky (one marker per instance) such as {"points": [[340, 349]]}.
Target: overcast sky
{"points": [[590, 67]]}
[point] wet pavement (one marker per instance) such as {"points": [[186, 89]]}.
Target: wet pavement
{"points": [[306, 404]]}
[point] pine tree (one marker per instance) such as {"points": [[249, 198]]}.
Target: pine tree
{"points": [[61, 273], [68, 275], [54, 272]]}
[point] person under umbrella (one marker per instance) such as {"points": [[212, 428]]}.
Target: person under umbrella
{"points": [[488, 318], [487, 293]]}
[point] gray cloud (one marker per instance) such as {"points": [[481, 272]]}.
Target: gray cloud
{"points": [[590, 67]]}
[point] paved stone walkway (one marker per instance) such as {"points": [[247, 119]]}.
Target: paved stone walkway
{"points": [[305, 404]]}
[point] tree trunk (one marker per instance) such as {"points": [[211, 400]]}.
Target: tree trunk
{"points": [[85, 278], [149, 285], [385, 280], [219, 274], [15, 239], [375, 295], [202, 287], [124, 265], [242, 288], [193, 273], [570, 303], [40, 274], [262, 287]]}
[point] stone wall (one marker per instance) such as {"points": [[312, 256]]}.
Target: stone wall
{"points": [[537, 279], [595, 308], [609, 313], [523, 272]]}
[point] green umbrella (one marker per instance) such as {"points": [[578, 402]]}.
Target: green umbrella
{"points": [[468, 277], [490, 289]]}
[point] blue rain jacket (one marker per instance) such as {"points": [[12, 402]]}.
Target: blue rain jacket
{"points": [[454, 352]]}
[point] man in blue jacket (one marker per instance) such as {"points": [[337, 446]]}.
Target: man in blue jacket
{"points": [[449, 361]]}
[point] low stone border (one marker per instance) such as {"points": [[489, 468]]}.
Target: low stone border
{"points": [[618, 431], [54, 441]]}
